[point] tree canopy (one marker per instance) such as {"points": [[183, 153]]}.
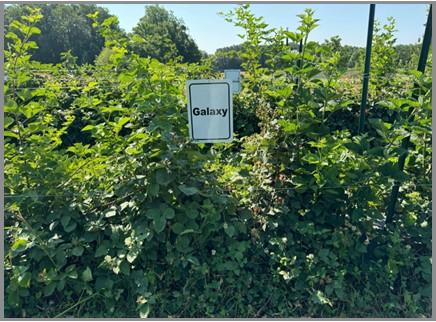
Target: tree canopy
{"points": [[63, 28], [164, 36]]}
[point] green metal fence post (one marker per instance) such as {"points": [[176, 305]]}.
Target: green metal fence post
{"points": [[300, 50], [425, 48], [287, 40], [367, 67]]}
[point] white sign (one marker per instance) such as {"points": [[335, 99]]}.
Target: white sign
{"points": [[210, 111], [234, 75]]}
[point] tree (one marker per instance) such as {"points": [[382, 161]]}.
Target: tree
{"points": [[228, 58], [349, 55], [163, 36], [383, 52], [63, 28], [408, 55]]}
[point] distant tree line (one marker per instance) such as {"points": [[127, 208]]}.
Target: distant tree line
{"points": [[351, 57], [161, 35], [63, 28], [67, 28]]}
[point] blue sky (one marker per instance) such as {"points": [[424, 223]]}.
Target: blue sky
{"points": [[349, 21]]}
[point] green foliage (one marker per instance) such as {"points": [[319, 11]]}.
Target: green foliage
{"points": [[349, 56], [112, 212], [159, 34], [407, 55], [227, 58], [255, 33], [63, 28], [383, 52]]}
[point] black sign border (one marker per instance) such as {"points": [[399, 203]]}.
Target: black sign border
{"points": [[192, 118]]}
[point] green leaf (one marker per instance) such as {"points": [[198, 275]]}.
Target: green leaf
{"points": [[125, 268], [77, 251], [144, 311], [182, 243], [191, 213], [121, 122], [101, 250], [65, 220], [229, 229], [32, 109], [8, 121], [288, 127], [163, 177], [152, 213], [89, 127], [71, 272], [72, 225], [49, 289], [193, 260], [10, 106], [380, 126], [87, 275], [103, 283], [11, 134], [159, 224], [24, 279], [153, 190], [19, 245], [169, 213], [177, 228], [189, 191], [60, 285]]}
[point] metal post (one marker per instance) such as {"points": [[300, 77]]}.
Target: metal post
{"points": [[406, 141], [300, 50], [287, 41], [367, 67], [425, 44]]}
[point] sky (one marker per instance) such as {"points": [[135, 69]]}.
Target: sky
{"points": [[349, 21]]}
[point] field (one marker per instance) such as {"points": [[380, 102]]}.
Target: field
{"points": [[111, 211]]}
